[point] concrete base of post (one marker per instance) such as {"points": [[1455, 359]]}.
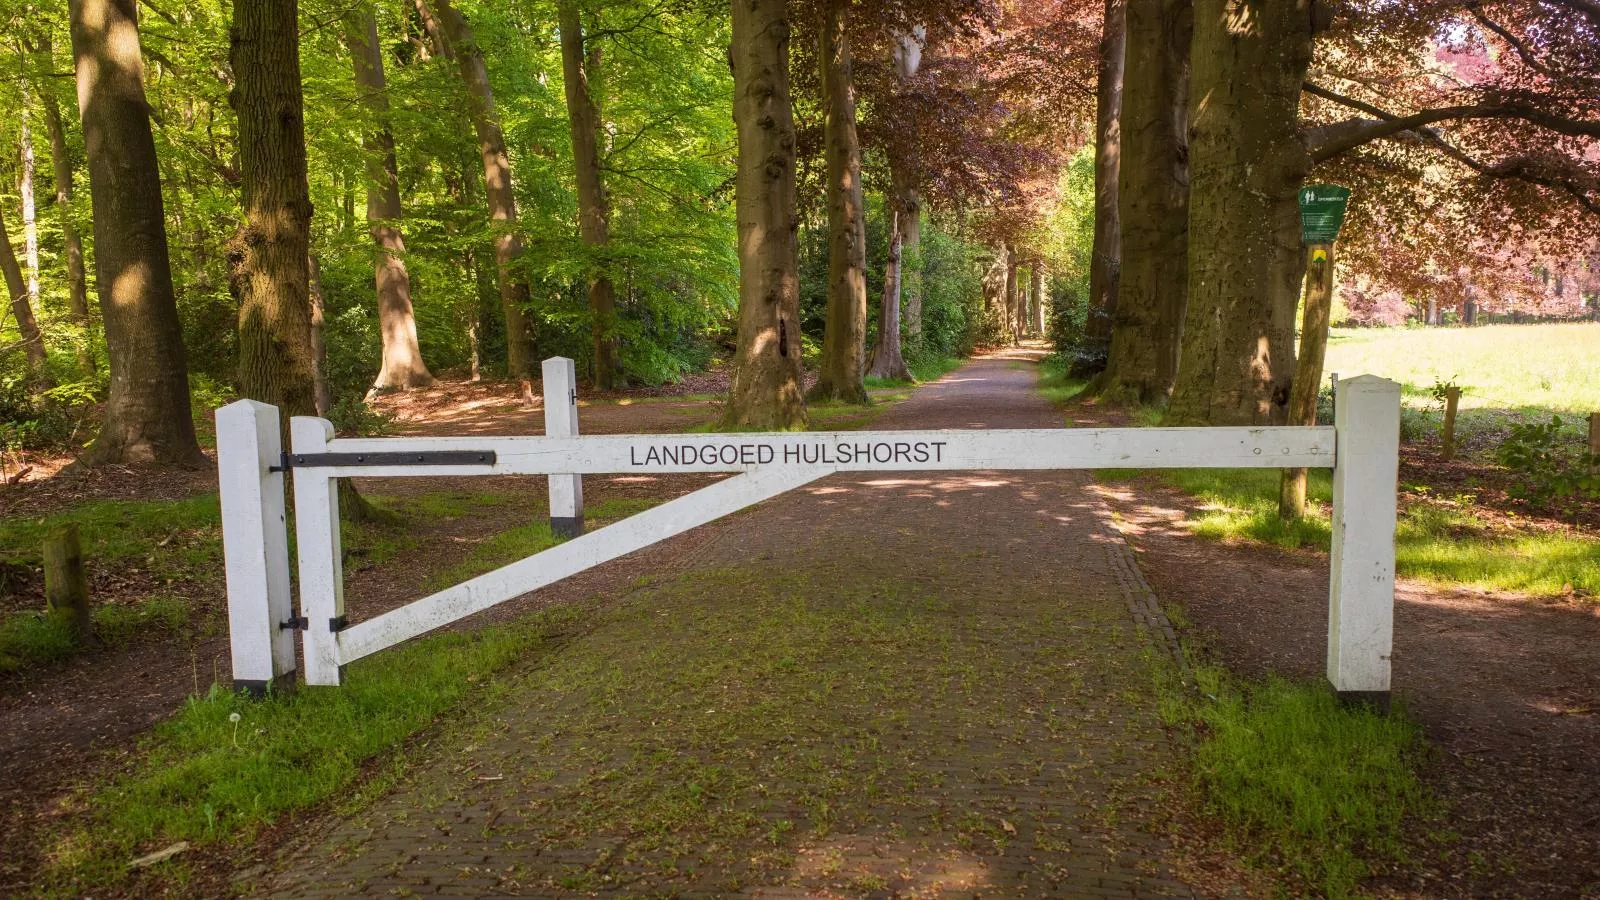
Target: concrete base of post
{"points": [[566, 526], [1377, 701]]}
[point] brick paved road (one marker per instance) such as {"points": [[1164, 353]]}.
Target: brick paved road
{"points": [[919, 684]]}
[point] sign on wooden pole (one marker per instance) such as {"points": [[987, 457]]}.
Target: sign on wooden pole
{"points": [[255, 545], [1361, 589], [561, 420]]}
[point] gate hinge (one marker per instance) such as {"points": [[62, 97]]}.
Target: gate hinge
{"points": [[294, 623], [338, 623]]}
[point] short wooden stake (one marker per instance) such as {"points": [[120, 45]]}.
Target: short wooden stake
{"points": [[1594, 442], [561, 420], [66, 585], [1452, 399], [1361, 586]]}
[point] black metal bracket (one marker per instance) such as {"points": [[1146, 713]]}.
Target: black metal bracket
{"points": [[388, 458], [294, 623], [338, 623]]}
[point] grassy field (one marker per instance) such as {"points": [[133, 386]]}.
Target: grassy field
{"points": [[1511, 367]]}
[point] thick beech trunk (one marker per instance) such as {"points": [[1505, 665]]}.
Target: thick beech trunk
{"points": [[594, 218], [402, 367], [497, 188], [146, 417], [1152, 197], [61, 165], [1037, 292], [21, 308], [269, 258], [887, 360], [1247, 161], [1105, 264], [906, 200], [844, 337], [764, 391]]}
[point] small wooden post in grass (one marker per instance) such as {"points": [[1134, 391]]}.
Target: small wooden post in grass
{"points": [[1452, 399], [66, 585], [1594, 442]]}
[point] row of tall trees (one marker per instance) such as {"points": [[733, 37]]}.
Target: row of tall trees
{"points": [[1463, 127]]}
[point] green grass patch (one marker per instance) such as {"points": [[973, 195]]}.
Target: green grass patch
{"points": [[1054, 382], [35, 638], [1304, 785], [923, 367], [206, 777], [168, 538], [1436, 540]]}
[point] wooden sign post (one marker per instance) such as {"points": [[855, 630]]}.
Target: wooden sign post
{"points": [[1321, 213]]}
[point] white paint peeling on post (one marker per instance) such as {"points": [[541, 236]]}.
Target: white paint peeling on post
{"points": [[529, 574], [1361, 588], [316, 520], [561, 421], [255, 543]]}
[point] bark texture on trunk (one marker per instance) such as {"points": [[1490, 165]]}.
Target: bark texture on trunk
{"points": [[765, 389], [30, 208], [146, 417], [1247, 160], [906, 200], [497, 188], [1037, 292], [1153, 198], [21, 308], [1308, 370], [594, 217], [1105, 265], [844, 337], [1013, 297], [887, 360], [994, 295], [269, 258], [402, 367], [319, 339], [61, 165]]}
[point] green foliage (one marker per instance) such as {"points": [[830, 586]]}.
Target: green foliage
{"points": [[1068, 243], [1307, 785], [1546, 465]]}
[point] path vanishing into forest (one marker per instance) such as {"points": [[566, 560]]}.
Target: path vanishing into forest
{"points": [[928, 683]]}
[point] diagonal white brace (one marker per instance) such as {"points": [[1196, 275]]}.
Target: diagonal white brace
{"points": [[541, 569]]}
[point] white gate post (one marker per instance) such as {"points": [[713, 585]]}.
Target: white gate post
{"points": [[255, 546], [1361, 587], [316, 529], [561, 420]]}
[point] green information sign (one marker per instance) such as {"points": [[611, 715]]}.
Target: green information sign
{"points": [[1322, 212]]}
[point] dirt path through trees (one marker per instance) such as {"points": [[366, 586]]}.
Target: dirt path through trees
{"points": [[884, 682]]}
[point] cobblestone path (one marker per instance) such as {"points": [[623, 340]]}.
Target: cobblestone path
{"points": [[916, 684]]}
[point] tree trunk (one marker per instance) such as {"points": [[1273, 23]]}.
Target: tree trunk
{"points": [[497, 188], [764, 391], [1105, 264], [147, 417], [30, 207], [994, 295], [594, 219], [906, 200], [402, 368], [1247, 161], [21, 309], [1013, 297], [1038, 293], [319, 339], [1308, 373], [844, 337], [61, 164], [1153, 198], [269, 262], [887, 361]]}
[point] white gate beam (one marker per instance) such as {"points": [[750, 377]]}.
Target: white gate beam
{"points": [[541, 569], [1361, 586], [856, 451], [255, 546]]}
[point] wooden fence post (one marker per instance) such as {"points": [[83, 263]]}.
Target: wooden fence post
{"points": [[1361, 588], [1594, 442], [66, 585], [561, 420], [316, 529], [1452, 399], [255, 546]]}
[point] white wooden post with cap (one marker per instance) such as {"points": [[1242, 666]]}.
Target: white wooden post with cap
{"points": [[1366, 474], [316, 531], [255, 546], [561, 421]]}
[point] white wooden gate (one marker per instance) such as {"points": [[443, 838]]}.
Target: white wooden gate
{"points": [[1362, 447]]}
